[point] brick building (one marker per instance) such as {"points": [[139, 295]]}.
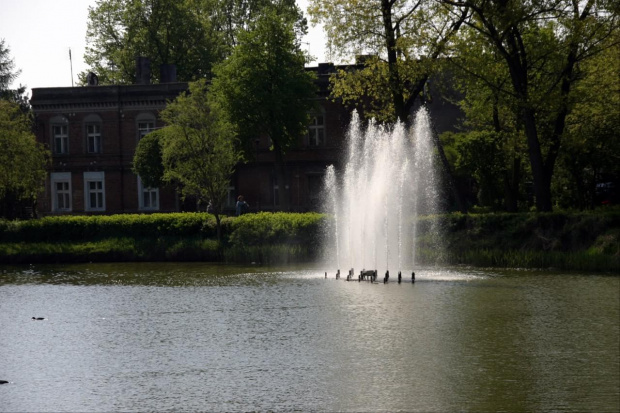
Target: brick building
{"points": [[92, 132]]}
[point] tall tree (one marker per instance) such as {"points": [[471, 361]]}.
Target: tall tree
{"points": [[178, 32], [8, 74], [404, 40], [591, 146], [400, 40], [191, 34], [264, 88], [231, 17], [22, 161], [196, 149], [542, 44], [491, 119]]}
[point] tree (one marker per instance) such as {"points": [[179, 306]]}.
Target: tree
{"points": [[7, 75], [175, 32], [405, 40], [22, 161], [191, 34], [196, 148], [491, 121], [231, 17], [542, 45], [591, 148], [147, 160], [264, 88], [401, 42]]}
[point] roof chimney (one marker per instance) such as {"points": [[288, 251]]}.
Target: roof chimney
{"points": [[167, 73], [143, 70]]}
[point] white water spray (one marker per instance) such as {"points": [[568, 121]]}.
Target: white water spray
{"points": [[387, 180]]}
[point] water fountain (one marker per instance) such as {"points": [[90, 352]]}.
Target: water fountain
{"points": [[387, 180]]}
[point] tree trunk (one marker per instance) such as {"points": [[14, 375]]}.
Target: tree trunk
{"points": [[540, 173], [392, 56], [511, 186]]}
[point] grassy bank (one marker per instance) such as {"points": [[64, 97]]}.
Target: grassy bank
{"points": [[264, 237], [571, 241], [577, 241]]}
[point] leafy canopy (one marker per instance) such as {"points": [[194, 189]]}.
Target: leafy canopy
{"points": [[195, 151], [263, 86], [22, 159]]}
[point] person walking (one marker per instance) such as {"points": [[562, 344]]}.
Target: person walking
{"points": [[242, 207]]}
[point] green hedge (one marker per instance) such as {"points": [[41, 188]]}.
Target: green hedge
{"points": [[587, 241], [263, 237], [96, 227], [275, 237]]}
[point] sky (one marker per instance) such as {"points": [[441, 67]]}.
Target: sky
{"points": [[39, 34]]}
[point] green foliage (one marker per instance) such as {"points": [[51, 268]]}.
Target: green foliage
{"points": [[583, 241], [492, 160], [8, 74], [263, 86], [176, 32], [591, 148], [191, 34], [264, 238], [198, 146], [147, 160], [96, 227], [521, 63], [276, 228], [196, 152], [22, 160], [270, 238], [400, 42]]}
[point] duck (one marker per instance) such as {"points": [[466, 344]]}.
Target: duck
{"points": [[38, 318], [3, 382]]}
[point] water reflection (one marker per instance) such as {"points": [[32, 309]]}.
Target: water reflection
{"points": [[222, 338]]}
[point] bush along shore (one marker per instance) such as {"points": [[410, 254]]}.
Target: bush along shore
{"points": [[568, 241]]}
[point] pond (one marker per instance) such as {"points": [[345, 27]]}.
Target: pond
{"points": [[171, 336]]}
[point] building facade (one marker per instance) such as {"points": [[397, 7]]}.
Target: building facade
{"points": [[92, 132]]}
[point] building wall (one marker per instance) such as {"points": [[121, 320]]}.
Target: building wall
{"points": [[119, 110]]}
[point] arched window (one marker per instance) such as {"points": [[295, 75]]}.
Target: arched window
{"points": [[60, 135], [145, 123], [316, 129], [92, 127]]}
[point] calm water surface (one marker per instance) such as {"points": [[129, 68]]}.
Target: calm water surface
{"points": [[144, 337]]}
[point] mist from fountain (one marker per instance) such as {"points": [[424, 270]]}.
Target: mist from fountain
{"points": [[387, 180]]}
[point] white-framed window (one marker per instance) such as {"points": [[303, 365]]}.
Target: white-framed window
{"points": [[94, 191], [60, 137], [148, 198], [145, 123], [93, 138], [61, 191], [316, 130], [145, 127]]}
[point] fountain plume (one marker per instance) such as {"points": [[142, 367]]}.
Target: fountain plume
{"points": [[387, 180]]}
